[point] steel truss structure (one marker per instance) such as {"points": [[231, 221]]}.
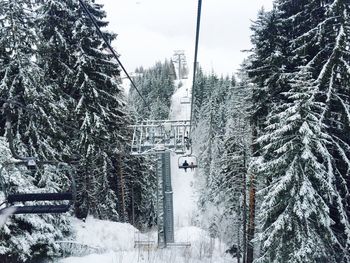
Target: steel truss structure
{"points": [[154, 136], [160, 138]]}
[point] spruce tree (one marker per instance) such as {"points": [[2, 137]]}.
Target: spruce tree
{"points": [[25, 99], [266, 66], [297, 226], [28, 105], [331, 62], [209, 138], [156, 86], [100, 116], [55, 21], [314, 34], [141, 190]]}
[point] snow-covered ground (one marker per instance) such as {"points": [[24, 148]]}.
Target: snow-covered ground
{"points": [[114, 242]]}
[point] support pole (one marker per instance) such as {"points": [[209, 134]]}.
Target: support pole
{"points": [[168, 200], [160, 198], [165, 212]]}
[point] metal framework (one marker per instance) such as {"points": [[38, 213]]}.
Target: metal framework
{"points": [[185, 100], [165, 213], [65, 199], [160, 138], [31, 164], [179, 59], [156, 136]]}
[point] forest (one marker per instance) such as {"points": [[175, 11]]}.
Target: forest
{"points": [[272, 140]]}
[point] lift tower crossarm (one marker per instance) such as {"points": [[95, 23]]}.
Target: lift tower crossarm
{"points": [[154, 136]]}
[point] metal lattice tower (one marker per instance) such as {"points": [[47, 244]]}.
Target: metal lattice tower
{"points": [[165, 200], [154, 136], [179, 59], [160, 138]]}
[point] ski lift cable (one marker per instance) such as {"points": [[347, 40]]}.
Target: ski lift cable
{"points": [[193, 88], [19, 105], [86, 10], [195, 64]]}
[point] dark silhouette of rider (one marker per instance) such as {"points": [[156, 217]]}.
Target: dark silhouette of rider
{"points": [[187, 141], [192, 166], [185, 165]]}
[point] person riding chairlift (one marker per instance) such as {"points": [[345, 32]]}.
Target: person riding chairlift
{"points": [[185, 165], [192, 166]]}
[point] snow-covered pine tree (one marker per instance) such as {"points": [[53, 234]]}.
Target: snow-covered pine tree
{"points": [[203, 137], [156, 85], [55, 21], [266, 65], [319, 37], [99, 115], [141, 190], [295, 212], [316, 34], [223, 194], [28, 105], [236, 159], [22, 82], [31, 237], [199, 94], [210, 136], [325, 47], [267, 70]]}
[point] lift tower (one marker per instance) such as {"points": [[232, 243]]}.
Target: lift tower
{"points": [[179, 61], [160, 138]]}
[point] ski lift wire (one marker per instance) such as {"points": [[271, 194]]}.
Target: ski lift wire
{"points": [[86, 10], [195, 63]]}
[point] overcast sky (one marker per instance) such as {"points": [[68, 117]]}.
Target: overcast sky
{"points": [[150, 30]]}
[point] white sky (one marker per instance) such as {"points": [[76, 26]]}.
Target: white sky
{"points": [[150, 31]]}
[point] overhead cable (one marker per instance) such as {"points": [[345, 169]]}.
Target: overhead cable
{"points": [[195, 61], [86, 10]]}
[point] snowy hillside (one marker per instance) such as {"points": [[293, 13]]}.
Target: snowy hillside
{"points": [[272, 141], [182, 182], [114, 242]]}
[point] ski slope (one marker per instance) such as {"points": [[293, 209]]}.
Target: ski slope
{"points": [[113, 242], [184, 197]]}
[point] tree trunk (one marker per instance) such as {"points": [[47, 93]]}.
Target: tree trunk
{"points": [[238, 244], [252, 190], [251, 223], [244, 217], [121, 191]]}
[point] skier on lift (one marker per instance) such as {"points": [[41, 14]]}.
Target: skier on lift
{"points": [[185, 165], [192, 166], [187, 141]]}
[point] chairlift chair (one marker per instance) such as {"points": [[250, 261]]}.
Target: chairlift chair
{"points": [[185, 100], [49, 202], [191, 159]]}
